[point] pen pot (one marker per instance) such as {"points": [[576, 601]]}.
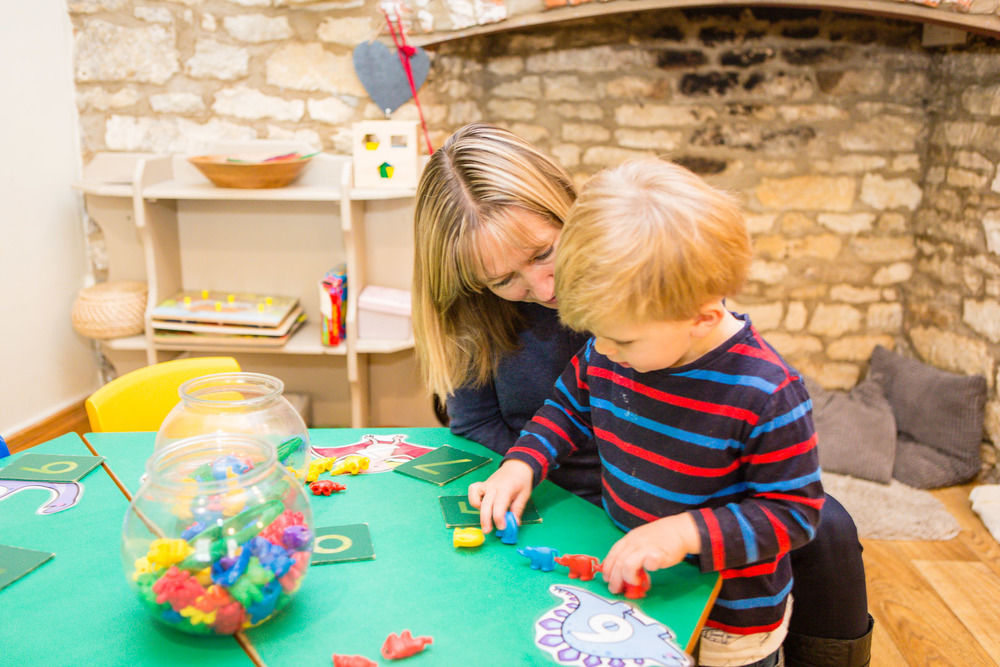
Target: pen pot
{"points": [[219, 535], [249, 403]]}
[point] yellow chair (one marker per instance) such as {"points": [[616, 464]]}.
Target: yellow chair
{"points": [[141, 399]]}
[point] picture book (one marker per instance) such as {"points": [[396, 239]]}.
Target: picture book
{"points": [[244, 309]]}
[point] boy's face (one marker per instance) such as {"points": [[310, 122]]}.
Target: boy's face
{"points": [[650, 345]]}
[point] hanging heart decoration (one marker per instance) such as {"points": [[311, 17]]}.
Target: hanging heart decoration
{"points": [[381, 73]]}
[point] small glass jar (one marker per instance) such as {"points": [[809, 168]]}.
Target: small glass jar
{"points": [[219, 536], [250, 403]]}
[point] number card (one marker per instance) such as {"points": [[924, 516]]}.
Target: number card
{"points": [[442, 465], [50, 467], [16, 562], [458, 513], [339, 544]]}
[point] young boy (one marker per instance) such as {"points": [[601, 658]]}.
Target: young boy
{"points": [[705, 434]]}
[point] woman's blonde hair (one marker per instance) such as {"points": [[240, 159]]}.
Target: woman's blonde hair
{"points": [[466, 193], [648, 240]]}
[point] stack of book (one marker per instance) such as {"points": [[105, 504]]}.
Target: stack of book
{"points": [[204, 318]]}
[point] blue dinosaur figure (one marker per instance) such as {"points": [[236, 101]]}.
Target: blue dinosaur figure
{"points": [[508, 535], [541, 558]]}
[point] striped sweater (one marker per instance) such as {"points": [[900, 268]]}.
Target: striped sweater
{"points": [[728, 438]]}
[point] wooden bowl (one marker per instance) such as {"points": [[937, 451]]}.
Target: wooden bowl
{"points": [[225, 172]]}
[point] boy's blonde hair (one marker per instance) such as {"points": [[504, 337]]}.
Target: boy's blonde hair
{"points": [[648, 240], [465, 198]]}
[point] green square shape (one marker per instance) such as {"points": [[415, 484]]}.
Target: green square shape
{"points": [[16, 562], [340, 544], [458, 513], [442, 465], [50, 467]]}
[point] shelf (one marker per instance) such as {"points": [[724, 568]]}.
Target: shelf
{"points": [[103, 189], [379, 346], [173, 189]]}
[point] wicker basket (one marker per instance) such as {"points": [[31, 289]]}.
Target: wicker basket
{"points": [[110, 310]]}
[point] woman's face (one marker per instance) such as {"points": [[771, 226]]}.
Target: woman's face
{"points": [[522, 272]]}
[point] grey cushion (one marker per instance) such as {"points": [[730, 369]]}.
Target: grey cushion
{"points": [[856, 430], [939, 419]]}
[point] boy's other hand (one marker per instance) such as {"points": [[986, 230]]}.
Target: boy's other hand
{"points": [[653, 546], [507, 489]]}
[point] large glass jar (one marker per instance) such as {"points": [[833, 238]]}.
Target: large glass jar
{"points": [[250, 403], [218, 537]]}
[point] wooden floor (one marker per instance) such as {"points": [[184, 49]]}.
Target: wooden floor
{"points": [[934, 603]]}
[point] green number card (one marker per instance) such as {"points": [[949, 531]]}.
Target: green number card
{"points": [[442, 465], [338, 544], [458, 513], [16, 562], [50, 467]]}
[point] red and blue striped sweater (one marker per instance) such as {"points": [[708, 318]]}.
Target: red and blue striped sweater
{"points": [[728, 437]]}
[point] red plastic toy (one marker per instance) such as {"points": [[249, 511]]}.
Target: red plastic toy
{"points": [[581, 566], [325, 487], [352, 661], [636, 591], [404, 645]]}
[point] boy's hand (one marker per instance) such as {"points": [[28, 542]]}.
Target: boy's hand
{"points": [[653, 546], [507, 489]]}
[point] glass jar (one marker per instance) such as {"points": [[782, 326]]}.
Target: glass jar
{"points": [[250, 403], [219, 536]]}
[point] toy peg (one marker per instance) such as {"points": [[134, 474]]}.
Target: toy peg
{"points": [[508, 534], [581, 566], [636, 591], [467, 537], [404, 645], [352, 661]]}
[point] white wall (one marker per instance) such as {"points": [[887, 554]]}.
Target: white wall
{"points": [[44, 365]]}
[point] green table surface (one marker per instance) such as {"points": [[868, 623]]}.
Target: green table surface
{"points": [[479, 605], [77, 608]]}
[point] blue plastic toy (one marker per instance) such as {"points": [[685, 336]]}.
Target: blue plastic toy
{"points": [[541, 558], [508, 535]]}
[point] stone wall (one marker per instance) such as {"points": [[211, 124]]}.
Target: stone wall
{"points": [[868, 162]]}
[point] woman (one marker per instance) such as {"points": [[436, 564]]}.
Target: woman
{"points": [[490, 208]]}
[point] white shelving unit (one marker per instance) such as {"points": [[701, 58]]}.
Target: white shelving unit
{"points": [[165, 224]]}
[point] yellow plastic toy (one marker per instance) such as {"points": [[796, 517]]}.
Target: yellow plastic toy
{"points": [[165, 552], [352, 464], [317, 467], [467, 537], [139, 400]]}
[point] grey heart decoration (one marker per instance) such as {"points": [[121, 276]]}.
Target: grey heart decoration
{"points": [[382, 74]]}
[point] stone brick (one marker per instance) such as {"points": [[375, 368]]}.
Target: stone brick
{"points": [[345, 30], [847, 223], [857, 348], [100, 99], [811, 113], [593, 59], [603, 156], [177, 103], [213, 60], [991, 228], [311, 68], [881, 249], [759, 223], [583, 111], [536, 134], [765, 316], [652, 115], [767, 272], [512, 109], [505, 65], [847, 83], [664, 141], [964, 178], [983, 317], [882, 193], [982, 100], [807, 192], [331, 110], [257, 28], [175, 135], [830, 375], [528, 86], [108, 52], [568, 155], [834, 320], [882, 133], [821, 246], [585, 133], [796, 316], [897, 272], [770, 246], [953, 352], [853, 294], [789, 345], [780, 86], [251, 104]]}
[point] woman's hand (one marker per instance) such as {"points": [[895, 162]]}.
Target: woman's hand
{"points": [[653, 546], [507, 489]]}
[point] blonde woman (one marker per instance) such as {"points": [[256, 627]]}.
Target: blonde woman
{"points": [[490, 208]]}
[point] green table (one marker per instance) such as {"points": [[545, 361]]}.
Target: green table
{"points": [[479, 605], [77, 609]]}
